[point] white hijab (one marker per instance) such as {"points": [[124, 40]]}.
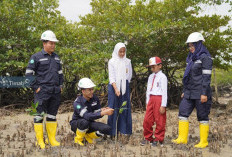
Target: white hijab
{"points": [[120, 68]]}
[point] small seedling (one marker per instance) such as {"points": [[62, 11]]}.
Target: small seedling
{"points": [[121, 109], [32, 111]]}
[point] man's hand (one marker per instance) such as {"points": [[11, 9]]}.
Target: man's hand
{"points": [[104, 108], [37, 90], [203, 98], [107, 111], [162, 110], [182, 95]]}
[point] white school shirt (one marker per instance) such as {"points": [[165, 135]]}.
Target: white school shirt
{"points": [[159, 87], [112, 71]]}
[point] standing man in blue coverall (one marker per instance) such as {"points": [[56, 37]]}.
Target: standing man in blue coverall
{"points": [[87, 109], [47, 87], [197, 90]]}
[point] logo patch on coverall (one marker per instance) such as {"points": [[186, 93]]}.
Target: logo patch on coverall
{"points": [[32, 61], [78, 106]]}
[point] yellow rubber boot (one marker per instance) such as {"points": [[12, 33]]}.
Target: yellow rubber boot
{"points": [[79, 137], [51, 131], [204, 132], [183, 132], [38, 127], [90, 136]]}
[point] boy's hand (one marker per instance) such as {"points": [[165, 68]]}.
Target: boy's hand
{"points": [[162, 110]]}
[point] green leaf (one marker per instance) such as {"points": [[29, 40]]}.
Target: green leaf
{"points": [[28, 110], [124, 103], [33, 105], [121, 110], [36, 105], [34, 110], [31, 113]]}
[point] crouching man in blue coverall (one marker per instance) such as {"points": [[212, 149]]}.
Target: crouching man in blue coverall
{"points": [[87, 108], [47, 86], [197, 91]]}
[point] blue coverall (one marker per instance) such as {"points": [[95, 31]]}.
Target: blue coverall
{"points": [[85, 112], [49, 78], [197, 85]]}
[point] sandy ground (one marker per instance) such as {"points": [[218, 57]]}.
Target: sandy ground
{"points": [[17, 138]]}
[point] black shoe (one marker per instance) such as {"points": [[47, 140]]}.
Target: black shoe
{"points": [[144, 142], [156, 143]]}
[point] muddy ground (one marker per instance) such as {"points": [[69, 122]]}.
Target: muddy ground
{"points": [[17, 138]]}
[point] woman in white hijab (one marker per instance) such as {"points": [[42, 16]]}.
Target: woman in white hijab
{"points": [[120, 74]]}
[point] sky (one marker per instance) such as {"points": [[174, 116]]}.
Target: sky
{"points": [[72, 9]]}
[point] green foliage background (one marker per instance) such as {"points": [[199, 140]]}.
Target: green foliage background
{"points": [[150, 28]]}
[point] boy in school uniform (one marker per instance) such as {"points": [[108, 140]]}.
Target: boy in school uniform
{"points": [[156, 103]]}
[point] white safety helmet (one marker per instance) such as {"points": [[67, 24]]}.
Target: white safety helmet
{"points": [[86, 83], [195, 37], [49, 35]]}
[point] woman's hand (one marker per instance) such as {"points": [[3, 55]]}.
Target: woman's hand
{"points": [[162, 110], [117, 92], [203, 98]]}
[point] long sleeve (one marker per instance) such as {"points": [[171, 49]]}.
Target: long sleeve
{"points": [[97, 108], [112, 75], [149, 83], [129, 71], [82, 111], [61, 76], [207, 64], [92, 115], [157, 85], [31, 71], [164, 86]]}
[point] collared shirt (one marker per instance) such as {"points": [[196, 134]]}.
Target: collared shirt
{"points": [[159, 87], [199, 79], [89, 110], [47, 69], [112, 71]]}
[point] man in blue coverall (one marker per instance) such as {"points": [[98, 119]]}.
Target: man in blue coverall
{"points": [[47, 87], [87, 108]]}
